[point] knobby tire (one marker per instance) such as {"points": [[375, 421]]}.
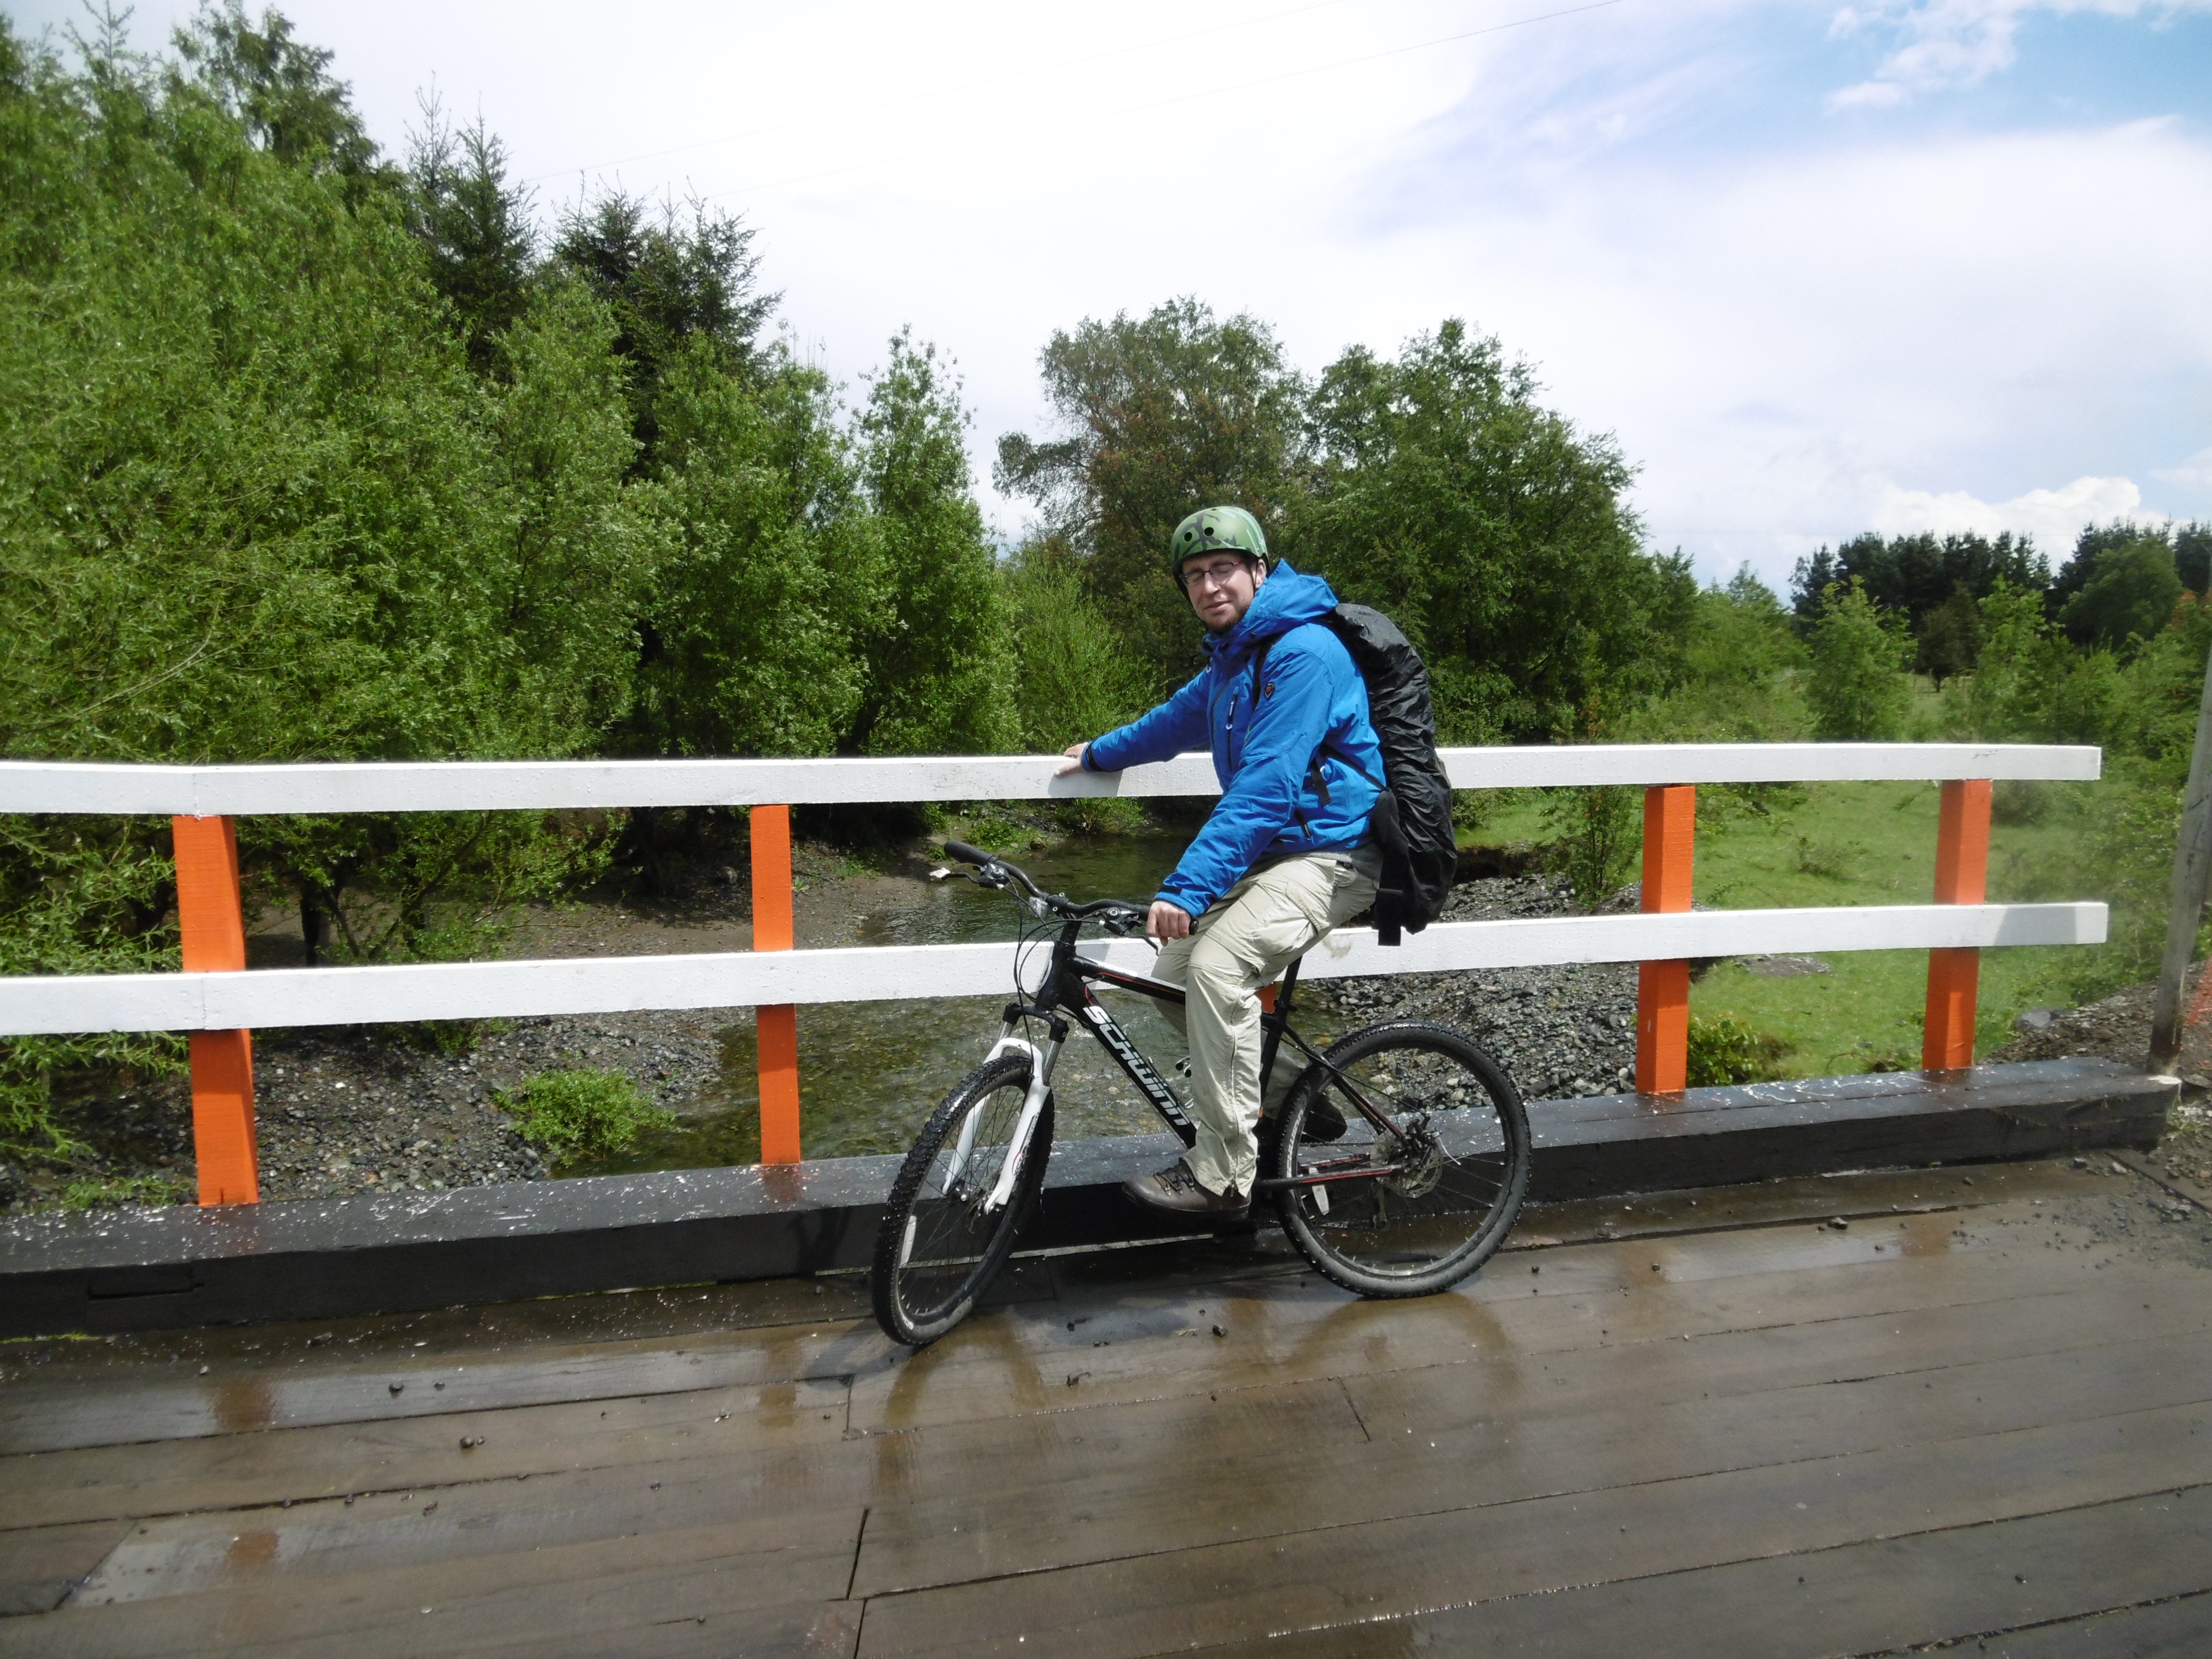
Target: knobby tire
{"points": [[923, 1286], [1459, 1134]]}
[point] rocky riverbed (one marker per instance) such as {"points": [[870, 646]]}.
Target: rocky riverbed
{"points": [[1560, 1032]]}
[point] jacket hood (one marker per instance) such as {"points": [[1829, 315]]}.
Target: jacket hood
{"points": [[1285, 600]]}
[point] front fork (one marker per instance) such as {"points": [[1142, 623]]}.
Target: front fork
{"points": [[1042, 1061]]}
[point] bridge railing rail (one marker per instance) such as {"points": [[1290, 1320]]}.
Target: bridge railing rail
{"points": [[219, 1003]]}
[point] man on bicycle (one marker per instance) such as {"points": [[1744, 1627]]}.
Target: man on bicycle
{"points": [[1284, 858]]}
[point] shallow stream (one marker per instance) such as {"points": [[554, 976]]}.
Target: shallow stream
{"points": [[870, 1072]]}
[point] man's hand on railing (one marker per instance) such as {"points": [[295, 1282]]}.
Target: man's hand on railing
{"points": [[1074, 763]]}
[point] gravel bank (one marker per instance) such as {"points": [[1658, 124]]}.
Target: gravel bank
{"points": [[1560, 1032], [347, 1111]]}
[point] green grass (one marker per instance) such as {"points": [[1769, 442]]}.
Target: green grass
{"points": [[115, 1192], [1850, 844]]}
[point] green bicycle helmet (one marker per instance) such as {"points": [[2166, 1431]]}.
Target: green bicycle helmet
{"points": [[1216, 530]]}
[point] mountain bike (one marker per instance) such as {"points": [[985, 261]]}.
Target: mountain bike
{"points": [[1397, 1160]]}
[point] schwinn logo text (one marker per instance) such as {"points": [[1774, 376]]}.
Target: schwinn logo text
{"points": [[1139, 1068]]}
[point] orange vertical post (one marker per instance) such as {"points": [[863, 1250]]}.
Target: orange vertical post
{"points": [[1962, 872], [1663, 988], [777, 1024], [211, 919]]}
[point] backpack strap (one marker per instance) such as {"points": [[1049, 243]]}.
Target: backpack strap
{"points": [[1325, 747]]}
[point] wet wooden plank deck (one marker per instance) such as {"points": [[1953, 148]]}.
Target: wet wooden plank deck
{"points": [[1713, 1425]]}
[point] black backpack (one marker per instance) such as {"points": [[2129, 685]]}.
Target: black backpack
{"points": [[1412, 820]]}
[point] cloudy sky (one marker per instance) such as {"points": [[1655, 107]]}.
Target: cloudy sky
{"points": [[1906, 264]]}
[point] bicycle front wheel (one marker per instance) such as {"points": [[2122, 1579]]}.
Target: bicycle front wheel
{"points": [[1416, 1204], [951, 1218]]}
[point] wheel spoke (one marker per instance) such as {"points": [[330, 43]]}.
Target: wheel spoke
{"points": [[940, 1244], [1455, 1151]]}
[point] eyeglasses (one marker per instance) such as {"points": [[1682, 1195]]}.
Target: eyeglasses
{"points": [[1216, 575]]}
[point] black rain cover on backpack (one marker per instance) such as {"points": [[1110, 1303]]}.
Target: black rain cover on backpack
{"points": [[1413, 814]]}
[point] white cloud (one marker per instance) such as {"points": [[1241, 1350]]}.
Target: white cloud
{"points": [[2053, 517], [1794, 328], [2193, 474], [1958, 43], [1788, 345]]}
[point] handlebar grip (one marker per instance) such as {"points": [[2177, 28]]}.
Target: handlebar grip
{"points": [[961, 851]]}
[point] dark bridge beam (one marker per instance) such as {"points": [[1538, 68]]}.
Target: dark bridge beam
{"points": [[153, 1269]]}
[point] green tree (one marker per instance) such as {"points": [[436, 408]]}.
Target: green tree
{"points": [[2153, 715], [257, 508], [2130, 596], [475, 228], [1740, 658], [2028, 685], [2192, 556], [1915, 575], [766, 582], [1950, 637], [940, 657], [1074, 679], [682, 292], [1494, 533], [279, 91], [1159, 416], [1857, 689]]}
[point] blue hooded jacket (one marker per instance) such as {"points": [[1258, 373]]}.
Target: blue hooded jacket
{"points": [[1311, 693]]}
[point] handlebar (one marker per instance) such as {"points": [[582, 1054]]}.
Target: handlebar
{"points": [[1119, 915]]}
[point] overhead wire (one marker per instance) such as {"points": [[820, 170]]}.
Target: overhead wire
{"points": [[1211, 91], [1025, 74]]}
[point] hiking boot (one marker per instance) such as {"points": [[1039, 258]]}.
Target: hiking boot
{"points": [[1176, 1190]]}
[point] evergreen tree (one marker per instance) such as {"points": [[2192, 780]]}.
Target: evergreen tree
{"points": [[2192, 556], [679, 289], [475, 228], [1913, 575]]}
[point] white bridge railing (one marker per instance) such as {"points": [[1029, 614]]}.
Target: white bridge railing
{"points": [[220, 1002]]}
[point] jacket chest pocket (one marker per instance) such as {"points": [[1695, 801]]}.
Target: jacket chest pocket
{"points": [[1232, 740]]}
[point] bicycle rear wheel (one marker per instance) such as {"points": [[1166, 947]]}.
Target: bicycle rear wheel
{"points": [[1455, 1160], [942, 1240]]}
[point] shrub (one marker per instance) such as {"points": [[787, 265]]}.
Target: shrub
{"points": [[2023, 801], [1724, 1050], [1595, 835], [573, 1115], [1076, 680], [2029, 685], [1856, 689], [1822, 858]]}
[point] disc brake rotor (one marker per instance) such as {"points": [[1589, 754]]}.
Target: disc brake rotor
{"points": [[1420, 1158]]}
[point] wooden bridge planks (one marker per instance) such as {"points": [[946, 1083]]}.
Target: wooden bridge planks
{"points": [[2114, 1581], [1980, 1376]]}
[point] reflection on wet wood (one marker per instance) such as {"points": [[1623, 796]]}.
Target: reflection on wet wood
{"points": [[1711, 1417]]}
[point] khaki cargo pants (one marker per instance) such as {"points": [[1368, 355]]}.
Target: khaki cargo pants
{"points": [[1244, 941]]}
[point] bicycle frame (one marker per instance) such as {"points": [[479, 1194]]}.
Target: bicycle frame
{"points": [[1066, 987]]}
